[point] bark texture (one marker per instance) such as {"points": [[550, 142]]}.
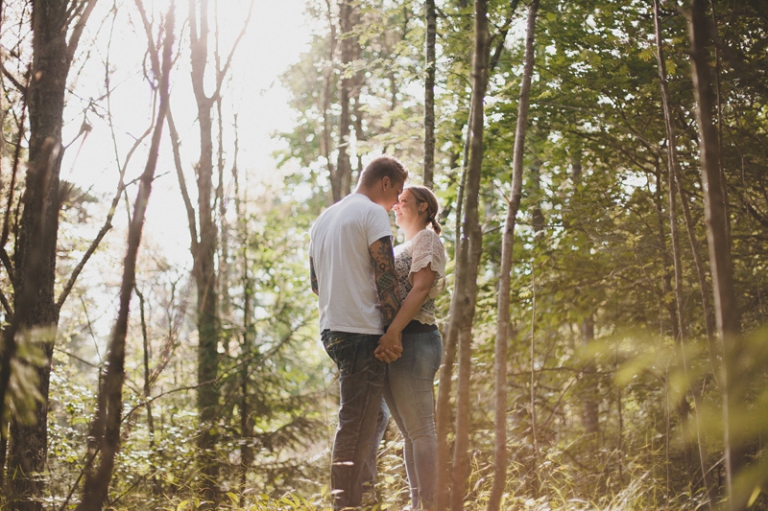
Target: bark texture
{"points": [[326, 145], [204, 255], [35, 255], [726, 309], [341, 179], [673, 185], [429, 94], [507, 249], [468, 259]]}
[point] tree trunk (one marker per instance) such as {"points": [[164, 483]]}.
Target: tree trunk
{"points": [[467, 263], [429, 94], [359, 132], [538, 222], [340, 183], [591, 413], [620, 414], [673, 166], [156, 485], [726, 308], [706, 305], [462, 183], [37, 310], [246, 347], [105, 427], [246, 422], [682, 406], [204, 254], [533, 476], [666, 278], [327, 138], [507, 248], [225, 304]]}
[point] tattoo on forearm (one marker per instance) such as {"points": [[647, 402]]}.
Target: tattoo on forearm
{"points": [[386, 282], [313, 276]]}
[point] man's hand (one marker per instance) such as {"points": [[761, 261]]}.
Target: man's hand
{"points": [[390, 348]]}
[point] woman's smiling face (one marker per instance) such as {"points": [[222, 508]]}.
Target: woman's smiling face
{"points": [[406, 209]]}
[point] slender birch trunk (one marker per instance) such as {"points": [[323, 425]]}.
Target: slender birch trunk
{"points": [[157, 487], [672, 167], [507, 248], [591, 406], [726, 309], [465, 293], [105, 427], [203, 246], [246, 347], [429, 94], [204, 254], [328, 79], [443, 412], [341, 180]]}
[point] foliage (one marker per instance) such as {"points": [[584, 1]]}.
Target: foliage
{"points": [[595, 332], [602, 256]]}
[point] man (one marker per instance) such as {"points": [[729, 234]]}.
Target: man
{"points": [[352, 270]]}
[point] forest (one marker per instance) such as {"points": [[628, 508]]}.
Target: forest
{"points": [[602, 174]]}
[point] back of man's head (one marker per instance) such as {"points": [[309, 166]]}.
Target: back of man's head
{"points": [[381, 167]]}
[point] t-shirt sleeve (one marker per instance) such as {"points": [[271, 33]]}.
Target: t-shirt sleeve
{"points": [[377, 225], [428, 250], [311, 249]]}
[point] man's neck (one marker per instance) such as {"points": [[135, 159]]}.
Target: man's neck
{"points": [[368, 193]]}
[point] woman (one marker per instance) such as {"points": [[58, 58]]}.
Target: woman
{"points": [[420, 266]]}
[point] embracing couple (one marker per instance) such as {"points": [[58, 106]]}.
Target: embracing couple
{"points": [[377, 321]]}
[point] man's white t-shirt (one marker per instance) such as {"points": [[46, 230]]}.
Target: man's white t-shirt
{"points": [[339, 242]]}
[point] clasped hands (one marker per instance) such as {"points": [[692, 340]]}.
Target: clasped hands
{"points": [[390, 347]]}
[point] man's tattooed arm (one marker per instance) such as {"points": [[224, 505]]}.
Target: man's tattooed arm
{"points": [[390, 346], [313, 276], [386, 282]]}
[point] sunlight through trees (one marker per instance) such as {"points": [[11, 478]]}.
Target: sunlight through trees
{"points": [[162, 351]]}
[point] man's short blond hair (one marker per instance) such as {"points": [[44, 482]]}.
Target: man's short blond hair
{"points": [[381, 167]]}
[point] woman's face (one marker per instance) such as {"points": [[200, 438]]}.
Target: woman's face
{"points": [[406, 209]]}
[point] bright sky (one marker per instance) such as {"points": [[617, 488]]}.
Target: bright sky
{"points": [[277, 34]]}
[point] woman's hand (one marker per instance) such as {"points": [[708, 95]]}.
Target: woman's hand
{"points": [[390, 344], [390, 347]]}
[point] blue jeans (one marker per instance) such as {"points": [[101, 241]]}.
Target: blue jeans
{"points": [[409, 395], [361, 382], [370, 471]]}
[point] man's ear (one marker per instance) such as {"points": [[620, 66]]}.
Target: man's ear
{"points": [[385, 182]]}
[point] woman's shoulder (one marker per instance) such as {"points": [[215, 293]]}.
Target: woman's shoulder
{"points": [[427, 235], [427, 244]]}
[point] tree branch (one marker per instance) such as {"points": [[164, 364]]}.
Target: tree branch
{"points": [[6, 305], [81, 360], [14, 173], [108, 221], [104, 229], [105, 425], [77, 32], [153, 58], [223, 72], [16, 83], [174, 134], [503, 31]]}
